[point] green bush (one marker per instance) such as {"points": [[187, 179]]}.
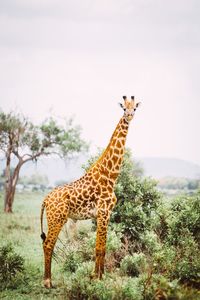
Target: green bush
{"points": [[81, 286], [183, 239], [113, 241], [159, 287], [184, 217], [163, 260], [72, 262], [133, 265], [138, 200], [187, 261], [132, 289], [11, 264], [80, 282], [150, 242]]}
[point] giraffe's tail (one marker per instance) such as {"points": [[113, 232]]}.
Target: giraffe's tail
{"points": [[43, 235]]}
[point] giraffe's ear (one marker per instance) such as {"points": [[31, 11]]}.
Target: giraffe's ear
{"points": [[121, 105], [138, 104]]}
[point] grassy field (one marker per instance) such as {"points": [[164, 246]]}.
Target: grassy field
{"points": [[75, 261], [22, 229]]}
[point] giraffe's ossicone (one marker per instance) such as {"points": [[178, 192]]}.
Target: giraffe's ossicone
{"points": [[91, 196]]}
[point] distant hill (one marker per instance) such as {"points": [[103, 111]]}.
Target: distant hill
{"points": [[56, 170], [169, 167]]}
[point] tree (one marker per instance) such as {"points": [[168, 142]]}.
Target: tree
{"points": [[22, 141]]}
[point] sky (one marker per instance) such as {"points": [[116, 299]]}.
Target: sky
{"points": [[78, 58]]}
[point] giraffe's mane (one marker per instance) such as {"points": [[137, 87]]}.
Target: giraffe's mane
{"points": [[106, 150]]}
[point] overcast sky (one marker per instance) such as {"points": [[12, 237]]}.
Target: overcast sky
{"points": [[80, 57]]}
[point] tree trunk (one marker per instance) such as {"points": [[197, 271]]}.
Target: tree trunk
{"points": [[9, 198], [10, 188]]}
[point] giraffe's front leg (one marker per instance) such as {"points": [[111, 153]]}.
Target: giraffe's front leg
{"points": [[102, 226]]}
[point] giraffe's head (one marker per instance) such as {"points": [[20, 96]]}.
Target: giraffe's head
{"points": [[129, 107]]}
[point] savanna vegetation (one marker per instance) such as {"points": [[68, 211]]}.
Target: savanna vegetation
{"points": [[152, 247]]}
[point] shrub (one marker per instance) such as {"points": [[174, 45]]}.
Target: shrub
{"points": [[133, 265], [132, 289], [113, 241], [80, 282], [150, 242], [184, 217], [110, 287], [72, 262], [163, 260], [159, 287], [187, 261], [183, 237], [11, 264], [138, 200]]}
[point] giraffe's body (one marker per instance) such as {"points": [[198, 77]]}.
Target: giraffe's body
{"points": [[91, 196]]}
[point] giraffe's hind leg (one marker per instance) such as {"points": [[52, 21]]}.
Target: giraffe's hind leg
{"points": [[48, 246], [55, 221]]}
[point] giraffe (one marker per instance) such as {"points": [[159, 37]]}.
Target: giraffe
{"points": [[91, 196]]}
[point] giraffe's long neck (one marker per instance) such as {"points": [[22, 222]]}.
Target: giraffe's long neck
{"points": [[110, 162]]}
